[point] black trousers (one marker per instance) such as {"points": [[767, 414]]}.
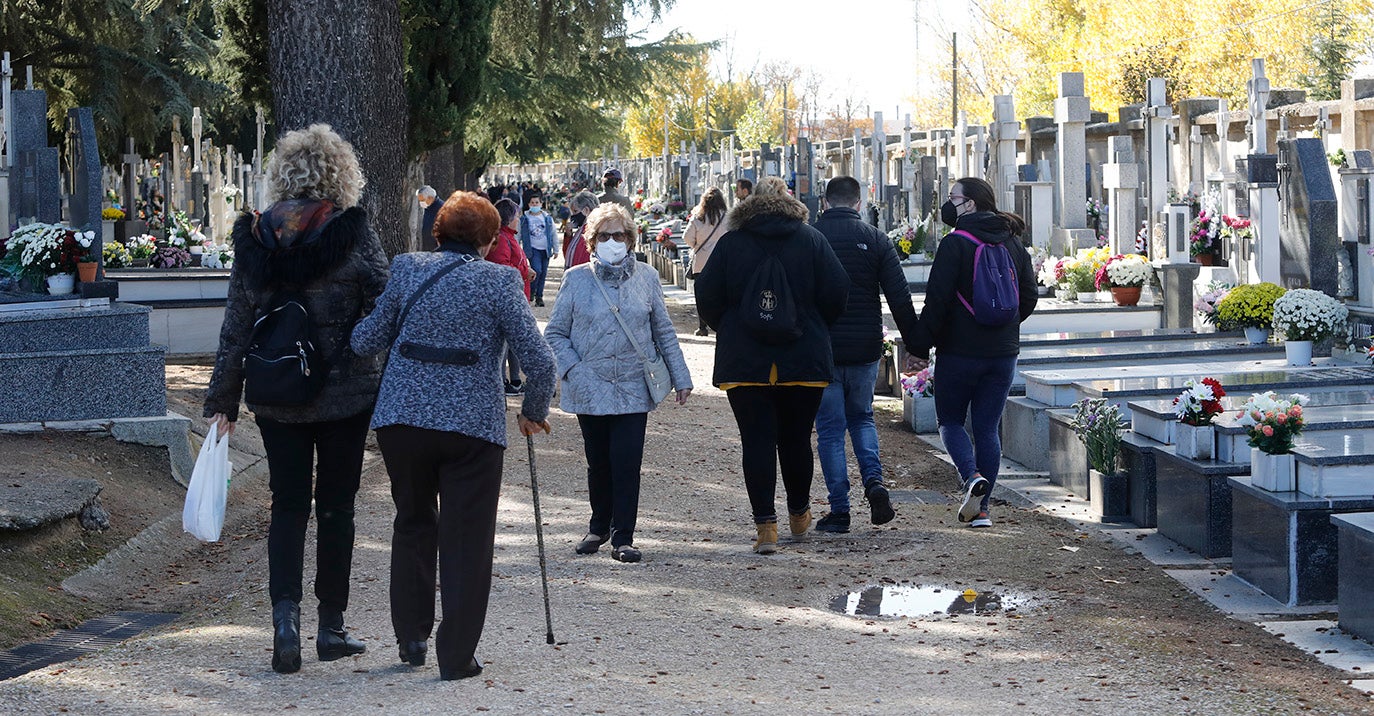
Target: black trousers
{"points": [[775, 429], [445, 486], [336, 448], [615, 450]]}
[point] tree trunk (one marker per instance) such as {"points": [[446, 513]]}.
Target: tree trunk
{"points": [[340, 63], [439, 171]]}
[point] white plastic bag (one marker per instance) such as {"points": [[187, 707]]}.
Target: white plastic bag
{"points": [[203, 515]]}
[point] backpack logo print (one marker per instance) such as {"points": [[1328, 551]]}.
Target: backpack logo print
{"points": [[768, 301]]}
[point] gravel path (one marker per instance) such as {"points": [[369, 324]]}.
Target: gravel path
{"points": [[704, 626]]}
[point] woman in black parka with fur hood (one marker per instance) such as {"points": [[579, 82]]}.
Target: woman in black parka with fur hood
{"points": [[314, 241], [774, 389]]}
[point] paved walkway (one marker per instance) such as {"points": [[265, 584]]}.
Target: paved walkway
{"points": [[704, 626]]}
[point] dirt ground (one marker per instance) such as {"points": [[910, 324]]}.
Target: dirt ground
{"points": [[703, 625]]}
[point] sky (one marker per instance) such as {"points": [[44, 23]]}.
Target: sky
{"points": [[874, 52]]}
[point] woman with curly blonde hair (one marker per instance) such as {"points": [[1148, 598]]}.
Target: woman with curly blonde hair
{"points": [[311, 247]]}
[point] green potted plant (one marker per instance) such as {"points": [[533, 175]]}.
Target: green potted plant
{"points": [[1098, 424], [1305, 316], [1251, 307]]}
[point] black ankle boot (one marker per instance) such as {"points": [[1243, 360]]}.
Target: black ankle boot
{"points": [[333, 641], [286, 637], [413, 652]]}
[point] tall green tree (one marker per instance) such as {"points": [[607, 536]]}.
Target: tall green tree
{"points": [[342, 64], [1332, 53], [137, 64], [561, 73]]}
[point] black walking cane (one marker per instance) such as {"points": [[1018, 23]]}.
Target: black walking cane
{"points": [[539, 534]]}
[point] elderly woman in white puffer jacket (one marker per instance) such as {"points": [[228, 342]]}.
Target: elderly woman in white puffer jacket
{"points": [[602, 376]]}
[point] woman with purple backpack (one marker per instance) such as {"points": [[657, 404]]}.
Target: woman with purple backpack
{"points": [[981, 288]]}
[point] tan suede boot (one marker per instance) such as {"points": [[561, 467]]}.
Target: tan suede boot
{"points": [[767, 543], [800, 523]]}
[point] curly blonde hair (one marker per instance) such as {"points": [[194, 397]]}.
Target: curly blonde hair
{"points": [[606, 212], [315, 163], [771, 186]]}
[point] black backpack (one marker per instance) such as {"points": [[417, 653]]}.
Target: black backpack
{"points": [[282, 366], [768, 310]]}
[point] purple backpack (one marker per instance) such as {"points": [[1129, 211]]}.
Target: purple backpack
{"points": [[996, 299]]}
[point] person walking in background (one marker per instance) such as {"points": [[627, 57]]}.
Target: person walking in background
{"points": [[575, 248], [857, 342], [536, 238], [743, 188], [977, 353], [610, 316], [429, 208], [312, 245], [444, 321], [704, 229], [507, 252], [773, 363], [611, 182]]}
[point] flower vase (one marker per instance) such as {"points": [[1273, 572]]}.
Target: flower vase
{"points": [[1256, 336], [1274, 473], [918, 413], [61, 284], [1065, 293], [1126, 295], [1299, 352], [1087, 297], [86, 270], [1195, 442], [1042, 290], [1108, 496], [1205, 259]]}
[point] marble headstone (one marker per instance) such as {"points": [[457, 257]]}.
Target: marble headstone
{"points": [[1309, 238]]}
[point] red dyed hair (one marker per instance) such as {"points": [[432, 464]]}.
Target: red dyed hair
{"points": [[467, 218]]}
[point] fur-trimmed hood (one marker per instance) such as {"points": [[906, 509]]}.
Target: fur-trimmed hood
{"points": [[295, 263], [772, 215]]}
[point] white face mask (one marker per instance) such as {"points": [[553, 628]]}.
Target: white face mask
{"points": [[611, 252]]}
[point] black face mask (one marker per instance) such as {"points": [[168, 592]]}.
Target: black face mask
{"points": [[578, 219], [949, 214]]}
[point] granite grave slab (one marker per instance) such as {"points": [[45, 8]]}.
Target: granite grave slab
{"points": [[1355, 583], [1194, 501]]}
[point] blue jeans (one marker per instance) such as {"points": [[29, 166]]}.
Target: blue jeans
{"points": [[978, 386], [847, 404], [539, 261]]}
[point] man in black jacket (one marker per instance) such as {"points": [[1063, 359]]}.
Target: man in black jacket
{"points": [[857, 342]]}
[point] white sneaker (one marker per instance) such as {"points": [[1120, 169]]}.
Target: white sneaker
{"points": [[982, 520], [974, 489]]}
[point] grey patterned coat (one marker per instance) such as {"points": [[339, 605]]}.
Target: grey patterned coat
{"points": [[476, 308], [600, 372], [341, 271]]}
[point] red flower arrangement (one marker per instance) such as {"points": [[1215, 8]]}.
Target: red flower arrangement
{"points": [[1200, 402]]}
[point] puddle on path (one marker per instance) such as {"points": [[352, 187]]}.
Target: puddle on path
{"points": [[918, 601]]}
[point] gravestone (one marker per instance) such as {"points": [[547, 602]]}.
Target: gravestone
{"points": [[1308, 235], [35, 191], [1005, 131], [86, 198], [1121, 178], [1071, 113]]}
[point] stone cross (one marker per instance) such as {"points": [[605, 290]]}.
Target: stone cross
{"points": [[878, 154], [857, 171], [6, 74], [1121, 178], [174, 197], [197, 129], [1257, 90], [1071, 112], [1157, 115], [1004, 130], [130, 182]]}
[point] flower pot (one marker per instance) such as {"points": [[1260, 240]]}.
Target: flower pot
{"points": [[919, 413], [195, 259], [1256, 336], [86, 270], [1272, 472], [107, 231], [1065, 293], [1126, 295], [1195, 442], [1299, 352], [1109, 496], [61, 284], [1205, 259], [1087, 297], [196, 249]]}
